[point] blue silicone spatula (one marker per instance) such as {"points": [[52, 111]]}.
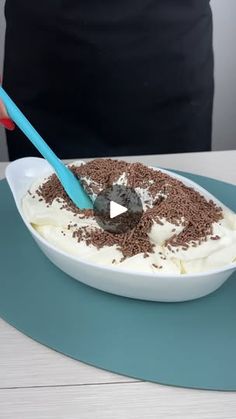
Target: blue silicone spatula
{"points": [[70, 183]]}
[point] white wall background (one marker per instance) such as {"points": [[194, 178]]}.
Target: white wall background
{"points": [[224, 116]]}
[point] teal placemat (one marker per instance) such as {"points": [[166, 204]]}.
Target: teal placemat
{"points": [[191, 344]]}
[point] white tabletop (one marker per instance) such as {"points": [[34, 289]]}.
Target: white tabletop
{"points": [[36, 382]]}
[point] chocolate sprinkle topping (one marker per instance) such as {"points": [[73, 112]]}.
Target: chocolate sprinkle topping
{"points": [[170, 200]]}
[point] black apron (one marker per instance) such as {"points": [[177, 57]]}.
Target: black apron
{"points": [[111, 77]]}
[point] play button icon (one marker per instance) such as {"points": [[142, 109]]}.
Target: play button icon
{"points": [[118, 209]]}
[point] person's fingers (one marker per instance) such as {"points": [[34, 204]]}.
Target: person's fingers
{"points": [[3, 112], [5, 121]]}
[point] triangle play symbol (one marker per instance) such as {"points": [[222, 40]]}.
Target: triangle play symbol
{"points": [[116, 209]]}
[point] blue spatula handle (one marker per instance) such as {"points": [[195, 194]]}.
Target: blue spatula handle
{"points": [[18, 117]]}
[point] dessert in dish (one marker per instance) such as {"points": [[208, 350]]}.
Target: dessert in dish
{"points": [[180, 231]]}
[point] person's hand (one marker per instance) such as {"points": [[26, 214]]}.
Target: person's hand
{"points": [[5, 121]]}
